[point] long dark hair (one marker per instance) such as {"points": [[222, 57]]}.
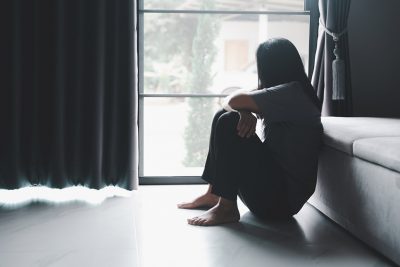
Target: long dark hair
{"points": [[279, 62]]}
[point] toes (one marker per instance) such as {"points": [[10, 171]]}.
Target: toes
{"points": [[191, 220], [197, 221], [203, 222]]}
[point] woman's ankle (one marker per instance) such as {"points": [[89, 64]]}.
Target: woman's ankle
{"points": [[227, 203], [209, 189]]}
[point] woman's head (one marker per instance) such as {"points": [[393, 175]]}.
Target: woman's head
{"points": [[279, 62]]}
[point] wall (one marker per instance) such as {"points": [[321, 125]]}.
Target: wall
{"points": [[374, 41]]}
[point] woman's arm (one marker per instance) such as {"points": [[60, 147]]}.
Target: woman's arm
{"points": [[240, 101], [244, 105]]}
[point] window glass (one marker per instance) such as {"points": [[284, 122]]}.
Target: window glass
{"points": [[200, 53], [209, 53], [248, 5], [176, 134]]}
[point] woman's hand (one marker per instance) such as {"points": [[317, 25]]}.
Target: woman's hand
{"points": [[246, 126]]}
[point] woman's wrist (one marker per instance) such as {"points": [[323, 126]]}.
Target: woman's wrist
{"points": [[226, 105]]}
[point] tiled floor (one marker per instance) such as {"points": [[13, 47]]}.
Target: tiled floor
{"points": [[70, 235], [147, 229]]}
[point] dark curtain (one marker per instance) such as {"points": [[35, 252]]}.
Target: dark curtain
{"points": [[68, 98], [333, 15]]}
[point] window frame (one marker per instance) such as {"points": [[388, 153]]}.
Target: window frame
{"points": [[310, 9]]}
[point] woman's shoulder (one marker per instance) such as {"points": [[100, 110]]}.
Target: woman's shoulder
{"points": [[286, 90], [284, 86], [280, 93]]}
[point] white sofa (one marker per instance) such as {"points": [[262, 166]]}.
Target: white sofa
{"points": [[359, 179]]}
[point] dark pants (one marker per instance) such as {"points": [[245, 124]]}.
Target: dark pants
{"points": [[244, 166]]}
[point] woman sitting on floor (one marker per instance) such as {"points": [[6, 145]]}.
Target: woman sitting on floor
{"points": [[275, 173]]}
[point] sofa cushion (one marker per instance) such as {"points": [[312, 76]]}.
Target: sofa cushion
{"points": [[341, 132], [384, 151]]}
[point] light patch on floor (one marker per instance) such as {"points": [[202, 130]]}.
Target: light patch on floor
{"points": [[30, 194]]}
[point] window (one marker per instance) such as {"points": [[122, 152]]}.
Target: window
{"points": [[191, 54], [236, 54]]}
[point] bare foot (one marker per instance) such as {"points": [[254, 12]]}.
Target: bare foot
{"points": [[204, 201], [225, 211]]}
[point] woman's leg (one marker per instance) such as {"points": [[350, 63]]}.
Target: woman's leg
{"points": [[207, 200], [209, 168], [264, 192], [233, 156], [238, 165]]}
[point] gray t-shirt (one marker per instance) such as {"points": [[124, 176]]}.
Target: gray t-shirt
{"points": [[292, 134]]}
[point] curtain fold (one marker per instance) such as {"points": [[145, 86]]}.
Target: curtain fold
{"points": [[333, 14], [68, 96]]}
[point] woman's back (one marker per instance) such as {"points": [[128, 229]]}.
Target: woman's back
{"points": [[292, 134]]}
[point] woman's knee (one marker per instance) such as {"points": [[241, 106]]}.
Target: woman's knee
{"points": [[217, 114], [228, 121]]}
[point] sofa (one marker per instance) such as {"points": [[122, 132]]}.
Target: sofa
{"points": [[358, 183]]}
